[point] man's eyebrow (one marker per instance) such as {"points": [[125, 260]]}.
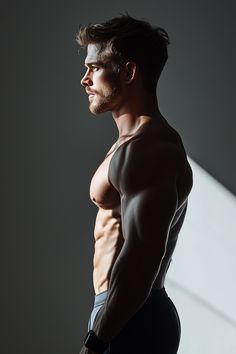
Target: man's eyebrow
{"points": [[88, 64]]}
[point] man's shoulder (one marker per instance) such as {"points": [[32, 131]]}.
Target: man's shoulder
{"points": [[152, 148], [152, 154], [148, 158]]}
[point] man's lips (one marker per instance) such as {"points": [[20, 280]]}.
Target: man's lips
{"points": [[90, 92]]}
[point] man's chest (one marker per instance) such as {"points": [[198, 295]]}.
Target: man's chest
{"points": [[102, 193]]}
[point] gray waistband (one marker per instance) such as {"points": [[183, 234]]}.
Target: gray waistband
{"points": [[101, 297]]}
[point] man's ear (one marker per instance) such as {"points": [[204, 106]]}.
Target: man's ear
{"points": [[130, 71]]}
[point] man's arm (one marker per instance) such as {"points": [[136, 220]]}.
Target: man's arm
{"points": [[146, 213]]}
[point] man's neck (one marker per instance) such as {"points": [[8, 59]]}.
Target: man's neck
{"points": [[133, 115]]}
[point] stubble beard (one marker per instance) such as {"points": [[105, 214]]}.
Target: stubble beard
{"points": [[102, 104], [107, 100]]}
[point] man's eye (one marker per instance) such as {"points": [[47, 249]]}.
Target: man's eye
{"points": [[95, 68]]}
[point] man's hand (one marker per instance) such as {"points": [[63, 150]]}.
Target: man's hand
{"points": [[85, 350]]}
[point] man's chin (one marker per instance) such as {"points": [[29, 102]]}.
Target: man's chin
{"points": [[94, 111], [97, 109]]}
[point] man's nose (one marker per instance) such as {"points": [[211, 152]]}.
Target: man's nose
{"points": [[86, 80]]}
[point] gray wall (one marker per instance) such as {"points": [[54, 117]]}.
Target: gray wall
{"points": [[52, 145]]}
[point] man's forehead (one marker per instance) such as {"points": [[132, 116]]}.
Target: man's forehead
{"points": [[92, 54]]}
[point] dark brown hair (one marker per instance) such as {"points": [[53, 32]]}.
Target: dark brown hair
{"points": [[123, 39]]}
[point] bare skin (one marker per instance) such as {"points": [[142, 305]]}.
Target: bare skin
{"points": [[109, 238], [141, 189]]}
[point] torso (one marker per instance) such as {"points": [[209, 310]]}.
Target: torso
{"points": [[108, 231]]}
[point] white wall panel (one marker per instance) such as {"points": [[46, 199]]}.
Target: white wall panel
{"points": [[201, 278]]}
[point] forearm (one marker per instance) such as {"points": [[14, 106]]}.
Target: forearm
{"points": [[131, 281]]}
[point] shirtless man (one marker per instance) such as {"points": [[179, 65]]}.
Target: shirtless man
{"points": [[141, 190]]}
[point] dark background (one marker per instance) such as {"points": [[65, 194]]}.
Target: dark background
{"points": [[51, 146]]}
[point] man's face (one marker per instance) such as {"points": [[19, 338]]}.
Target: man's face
{"points": [[102, 84]]}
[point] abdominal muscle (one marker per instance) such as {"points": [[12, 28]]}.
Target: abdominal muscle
{"points": [[108, 243]]}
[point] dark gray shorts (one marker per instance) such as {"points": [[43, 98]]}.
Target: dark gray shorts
{"points": [[154, 329]]}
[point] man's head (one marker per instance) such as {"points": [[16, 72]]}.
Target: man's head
{"points": [[102, 83], [125, 39]]}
